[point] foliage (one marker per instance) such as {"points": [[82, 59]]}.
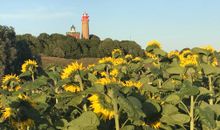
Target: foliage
{"points": [[7, 50], [167, 91], [58, 45]]}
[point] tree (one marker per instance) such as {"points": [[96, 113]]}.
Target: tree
{"points": [[131, 47], [7, 50], [59, 45], [107, 46]]}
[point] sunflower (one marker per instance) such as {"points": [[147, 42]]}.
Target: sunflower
{"points": [[209, 48], [114, 73], [185, 52], [105, 60], [95, 72], [25, 98], [154, 43], [29, 65], [101, 105], [11, 82], [118, 61], [189, 60], [71, 88], [106, 81], [132, 84], [128, 56], [7, 112], [104, 74], [90, 66], [173, 54], [23, 125], [136, 59], [155, 125], [113, 61], [116, 53], [10, 77], [70, 69], [152, 56], [214, 62]]}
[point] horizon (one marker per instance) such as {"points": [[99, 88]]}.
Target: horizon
{"points": [[175, 25]]}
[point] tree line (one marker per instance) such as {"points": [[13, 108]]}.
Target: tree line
{"points": [[15, 49], [59, 45]]}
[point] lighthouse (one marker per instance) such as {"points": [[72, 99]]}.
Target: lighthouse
{"points": [[85, 26]]}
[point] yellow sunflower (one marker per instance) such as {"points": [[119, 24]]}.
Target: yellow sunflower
{"points": [[185, 53], [173, 54], [132, 84], [6, 81], [27, 99], [114, 73], [95, 72], [104, 74], [214, 62], [71, 88], [189, 60], [155, 125], [209, 48], [116, 52], [23, 125], [154, 43], [70, 69], [29, 65], [23, 97], [7, 112], [118, 61], [136, 59], [152, 56], [113, 61], [102, 106], [90, 66], [105, 60], [128, 56], [10, 77], [106, 81]]}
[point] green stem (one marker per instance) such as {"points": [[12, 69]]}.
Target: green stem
{"points": [[81, 89], [211, 90], [79, 109], [115, 107], [185, 107], [124, 123], [107, 71], [192, 113], [32, 76], [160, 83]]}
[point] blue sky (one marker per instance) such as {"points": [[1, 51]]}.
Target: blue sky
{"points": [[174, 23]]}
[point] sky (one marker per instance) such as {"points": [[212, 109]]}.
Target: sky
{"points": [[176, 24]]}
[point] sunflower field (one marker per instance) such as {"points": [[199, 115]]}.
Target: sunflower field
{"points": [[179, 90]]}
